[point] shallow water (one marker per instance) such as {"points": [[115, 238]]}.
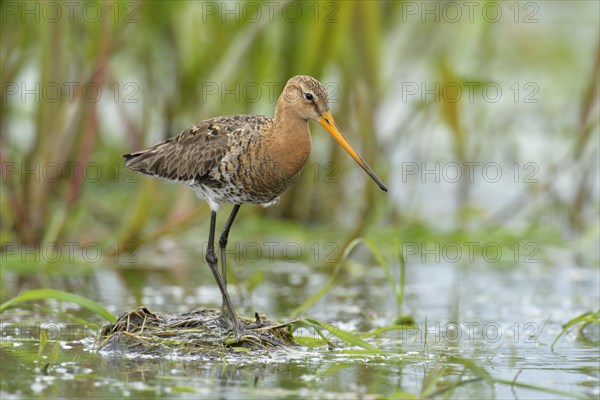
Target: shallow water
{"points": [[503, 319]]}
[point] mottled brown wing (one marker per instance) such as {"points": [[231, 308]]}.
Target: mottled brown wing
{"points": [[190, 156]]}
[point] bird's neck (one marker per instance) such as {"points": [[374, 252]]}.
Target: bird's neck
{"points": [[290, 140]]}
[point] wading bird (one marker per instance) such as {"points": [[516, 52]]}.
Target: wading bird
{"points": [[244, 159]]}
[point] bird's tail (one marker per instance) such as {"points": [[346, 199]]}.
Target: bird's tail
{"points": [[141, 161]]}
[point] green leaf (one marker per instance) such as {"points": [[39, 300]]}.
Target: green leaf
{"points": [[43, 294], [386, 269], [309, 303], [586, 317], [400, 327], [43, 341], [480, 372], [563, 393], [343, 335]]}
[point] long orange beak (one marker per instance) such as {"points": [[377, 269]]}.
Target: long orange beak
{"points": [[328, 123]]}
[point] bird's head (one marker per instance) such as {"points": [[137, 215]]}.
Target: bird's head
{"points": [[307, 98]]}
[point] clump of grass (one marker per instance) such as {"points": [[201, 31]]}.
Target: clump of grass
{"points": [[203, 333], [197, 333]]}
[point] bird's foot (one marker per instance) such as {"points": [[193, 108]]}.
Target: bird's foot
{"points": [[248, 332]]}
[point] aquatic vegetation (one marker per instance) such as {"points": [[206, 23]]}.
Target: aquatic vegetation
{"points": [[583, 320]]}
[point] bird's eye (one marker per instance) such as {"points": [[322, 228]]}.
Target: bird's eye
{"points": [[308, 96]]}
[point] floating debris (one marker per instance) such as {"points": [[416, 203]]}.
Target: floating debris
{"points": [[197, 333]]}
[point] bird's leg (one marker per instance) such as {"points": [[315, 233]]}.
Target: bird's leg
{"points": [[223, 242], [213, 263], [222, 249]]}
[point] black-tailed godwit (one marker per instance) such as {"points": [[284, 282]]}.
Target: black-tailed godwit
{"points": [[244, 159]]}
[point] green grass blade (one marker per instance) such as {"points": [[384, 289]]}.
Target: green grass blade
{"points": [[402, 260], [310, 342], [480, 372], [42, 294], [586, 317], [67, 317], [413, 328], [430, 381], [343, 335], [399, 294], [562, 393], [309, 303], [55, 351], [403, 396], [386, 268], [42, 345]]}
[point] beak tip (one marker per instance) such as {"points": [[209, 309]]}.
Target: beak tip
{"points": [[327, 122]]}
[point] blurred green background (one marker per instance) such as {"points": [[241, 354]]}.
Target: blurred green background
{"points": [[495, 87]]}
